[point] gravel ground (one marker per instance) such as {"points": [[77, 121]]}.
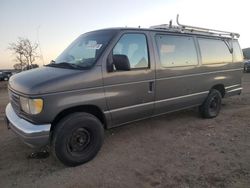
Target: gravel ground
{"points": [[174, 150]]}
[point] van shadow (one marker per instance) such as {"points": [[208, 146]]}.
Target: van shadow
{"points": [[15, 157]]}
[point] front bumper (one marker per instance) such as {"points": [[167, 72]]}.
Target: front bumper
{"points": [[31, 134]]}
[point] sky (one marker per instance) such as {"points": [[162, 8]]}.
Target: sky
{"points": [[54, 24]]}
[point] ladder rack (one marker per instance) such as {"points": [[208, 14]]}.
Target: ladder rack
{"points": [[192, 29]]}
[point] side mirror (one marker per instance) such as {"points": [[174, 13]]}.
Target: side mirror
{"points": [[121, 62]]}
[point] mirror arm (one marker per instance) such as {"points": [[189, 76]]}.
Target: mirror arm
{"points": [[110, 63]]}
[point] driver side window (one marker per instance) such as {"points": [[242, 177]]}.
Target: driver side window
{"points": [[134, 47]]}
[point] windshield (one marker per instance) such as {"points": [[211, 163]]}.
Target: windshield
{"points": [[85, 50]]}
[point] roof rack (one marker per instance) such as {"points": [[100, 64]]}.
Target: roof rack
{"points": [[192, 29]]}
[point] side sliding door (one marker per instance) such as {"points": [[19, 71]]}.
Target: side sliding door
{"points": [[177, 62]]}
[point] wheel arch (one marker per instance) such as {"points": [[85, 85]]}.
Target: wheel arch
{"points": [[220, 88], [91, 109]]}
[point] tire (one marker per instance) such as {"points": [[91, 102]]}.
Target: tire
{"points": [[77, 138], [5, 78], [245, 69], [212, 105]]}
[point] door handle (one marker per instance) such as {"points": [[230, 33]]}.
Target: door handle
{"points": [[151, 87]]}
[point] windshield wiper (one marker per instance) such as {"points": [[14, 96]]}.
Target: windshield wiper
{"points": [[64, 65]]}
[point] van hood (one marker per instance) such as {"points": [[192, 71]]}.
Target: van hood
{"points": [[51, 79]]}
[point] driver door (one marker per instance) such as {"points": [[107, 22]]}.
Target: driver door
{"points": [[130, 93]]}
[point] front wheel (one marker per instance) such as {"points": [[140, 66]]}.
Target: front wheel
{"points": [[77, 138], [211, 106]]}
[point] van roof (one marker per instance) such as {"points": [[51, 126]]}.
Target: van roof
{"points": [[161, 30]]}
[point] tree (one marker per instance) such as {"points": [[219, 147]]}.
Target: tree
{"points": [[32, 66], [18, 66], [25, 52]]}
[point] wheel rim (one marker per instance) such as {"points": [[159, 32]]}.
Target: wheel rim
{"points": [[214, 104], [79, 141]]}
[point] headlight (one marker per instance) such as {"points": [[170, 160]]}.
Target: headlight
{"points": [[31, 106]]}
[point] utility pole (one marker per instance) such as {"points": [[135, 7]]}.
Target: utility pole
{"points": [[39, 45]]}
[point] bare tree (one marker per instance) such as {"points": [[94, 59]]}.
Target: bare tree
{"points": [[25, 52], [18, 66]]}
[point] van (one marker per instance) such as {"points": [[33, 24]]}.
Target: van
{"points": [[111, 77]]}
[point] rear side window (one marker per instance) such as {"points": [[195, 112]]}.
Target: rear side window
{"points": [[176, 51], [214, 51], [134, 46], [238, 57]]}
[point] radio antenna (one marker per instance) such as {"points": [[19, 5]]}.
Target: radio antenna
{"points": [[40, 48]]}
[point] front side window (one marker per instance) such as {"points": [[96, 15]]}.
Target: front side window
{"points": [[176, 51], [85, 50], [214, 51], [134, 46]]}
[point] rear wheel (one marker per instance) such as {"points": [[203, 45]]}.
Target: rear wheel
{"points": [[211, 106], [77, 138], [245, 68]]}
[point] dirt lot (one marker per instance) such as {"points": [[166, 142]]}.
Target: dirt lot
{"points": [[175, 150]]}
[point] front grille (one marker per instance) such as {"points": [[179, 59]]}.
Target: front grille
{"points": [[15, 101]]}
